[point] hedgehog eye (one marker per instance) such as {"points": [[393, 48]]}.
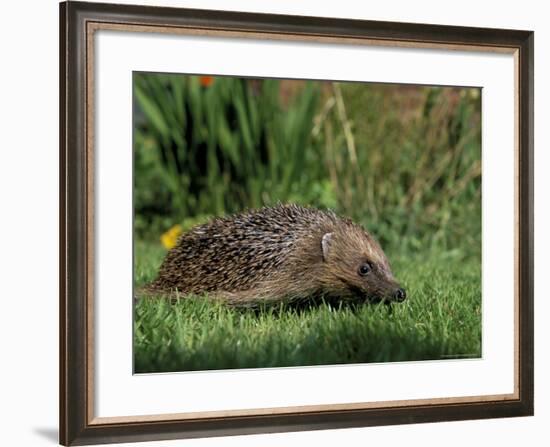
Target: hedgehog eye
{"points": [[365, 268]]}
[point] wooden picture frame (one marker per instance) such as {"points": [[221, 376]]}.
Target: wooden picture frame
{"points": [[78, 22]]}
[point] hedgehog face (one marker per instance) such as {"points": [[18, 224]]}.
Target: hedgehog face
{"points": [[356, 268]]}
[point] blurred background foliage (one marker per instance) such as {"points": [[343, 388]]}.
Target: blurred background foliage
{"points": [[403, 160]]}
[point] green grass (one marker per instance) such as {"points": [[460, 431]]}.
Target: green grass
{"points": [[441, 319]]}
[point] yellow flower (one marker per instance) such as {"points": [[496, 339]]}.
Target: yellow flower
{"points": [[170, 238]]}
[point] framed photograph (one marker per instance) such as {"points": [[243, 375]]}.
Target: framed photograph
{"points": [[277, 223]]}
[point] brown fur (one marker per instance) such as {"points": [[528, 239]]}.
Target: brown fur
{"points": [[286, 252]]}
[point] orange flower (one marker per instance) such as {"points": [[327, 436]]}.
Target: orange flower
{"points": [[206, 81]]}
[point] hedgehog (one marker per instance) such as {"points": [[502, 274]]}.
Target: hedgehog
{"points": [[284, 253]]}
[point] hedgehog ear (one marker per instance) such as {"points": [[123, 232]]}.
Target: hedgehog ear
{"points": [[325, 245]]}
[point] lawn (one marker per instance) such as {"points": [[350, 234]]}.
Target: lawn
{"points": [[441, 319]]}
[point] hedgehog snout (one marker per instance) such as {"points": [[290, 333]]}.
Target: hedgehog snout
{"points": [[400, 295]]}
